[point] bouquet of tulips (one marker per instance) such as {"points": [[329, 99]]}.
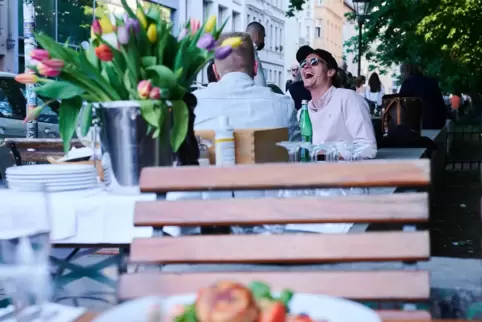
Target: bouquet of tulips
{"points": [[135, 58]]}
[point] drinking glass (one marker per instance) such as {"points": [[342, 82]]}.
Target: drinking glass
{"points": [[24, 254], [292, 148]]}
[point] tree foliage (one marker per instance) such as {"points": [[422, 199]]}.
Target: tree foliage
{"points": [[443, 36]]}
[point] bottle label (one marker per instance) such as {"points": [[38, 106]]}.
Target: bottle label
{"points": [[225, 152]]}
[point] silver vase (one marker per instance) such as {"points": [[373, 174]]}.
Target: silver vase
{"points": [[125, 141]]}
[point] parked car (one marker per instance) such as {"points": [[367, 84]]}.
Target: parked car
{"points": [[12, 114]]}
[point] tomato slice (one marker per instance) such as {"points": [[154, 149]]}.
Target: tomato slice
{"points": [[273, 312]]}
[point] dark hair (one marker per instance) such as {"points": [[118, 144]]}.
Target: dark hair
{"points": [[363, 78], [374, 83], [210, 71], [256, 26], [359, 81], [340, 79]]}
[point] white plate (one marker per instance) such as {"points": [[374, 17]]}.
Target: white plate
{"points": [[41, 179], [51, 184], [50, 169], [319, 307], [53, 188]]}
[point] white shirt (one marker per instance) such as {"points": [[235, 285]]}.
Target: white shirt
{"points": [[374, 97], [247, 105], [341, 115], [259, 79]]}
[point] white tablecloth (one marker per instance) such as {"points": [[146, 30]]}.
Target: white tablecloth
{"points": [[83, 216]]}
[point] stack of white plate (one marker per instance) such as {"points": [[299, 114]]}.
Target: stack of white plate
{"points": [[52, 177]]}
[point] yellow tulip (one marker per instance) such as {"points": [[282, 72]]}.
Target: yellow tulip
{"points": [[106, 25], [210, 24], [142, 18], [152, 33], [232, 42]]}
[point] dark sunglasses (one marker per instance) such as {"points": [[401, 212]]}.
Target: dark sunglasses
{"points": [[313, 62], [294, 69]]}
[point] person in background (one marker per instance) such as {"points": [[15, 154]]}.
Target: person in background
{"points": [[210, 72], [337, 114], [374, 91], [258, 35], [415, 84], [237, 96], [360, 85], [295, 70], [298, 92]]}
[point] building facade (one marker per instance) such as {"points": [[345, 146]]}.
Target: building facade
{"points": [[271, 14], [222, 9], [61, 20], [328, 16], [298, 33]]}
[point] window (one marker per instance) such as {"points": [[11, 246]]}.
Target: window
{"points": [[222, 15], [279, 79], [206, 10], [271, 36], [318, 32], [308, 33], [276, 38], [237, 21], [12, 101]]}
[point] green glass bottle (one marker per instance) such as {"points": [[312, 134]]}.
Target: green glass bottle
{"points": [[306, 130]]}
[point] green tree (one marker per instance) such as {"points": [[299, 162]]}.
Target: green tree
{"points": [[443, 36]]}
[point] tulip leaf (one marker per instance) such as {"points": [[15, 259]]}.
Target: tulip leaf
{"points": [[218, 32], [115, 79], [59, 90], [68, 112], [151, 113], [56, 49], [93, 74], [127, 81], [86, 119], [162, 76], [148, 61], [180, 115]]}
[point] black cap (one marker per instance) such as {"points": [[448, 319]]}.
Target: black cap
{"points": [[304, 51]]}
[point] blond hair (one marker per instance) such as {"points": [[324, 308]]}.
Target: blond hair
{"points": [[242, 58]]}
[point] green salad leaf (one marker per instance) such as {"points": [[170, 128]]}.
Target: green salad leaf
{"points": [[189, 314]]}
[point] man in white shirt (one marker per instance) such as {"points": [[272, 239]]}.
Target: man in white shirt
{"points": [[337, 114], [258, 34], [237, 96]]}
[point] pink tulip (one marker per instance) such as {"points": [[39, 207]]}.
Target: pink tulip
{"points": [[155, 93], [47, 71], [40, 54], [54, 63], [195, 25], [96, 27], [182, 34], [144, 89]]}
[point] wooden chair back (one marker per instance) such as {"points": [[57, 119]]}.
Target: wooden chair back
{"points": [[389, 246], [36, 150]]}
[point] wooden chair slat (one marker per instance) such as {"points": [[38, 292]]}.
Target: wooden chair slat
{"points": [[375, 285], [400, 208], [305, 248], [54, 144], [375, 173], [39, 156]]}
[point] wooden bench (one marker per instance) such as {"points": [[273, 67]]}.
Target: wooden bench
{"points": [[36, 150], [402, 285]]}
